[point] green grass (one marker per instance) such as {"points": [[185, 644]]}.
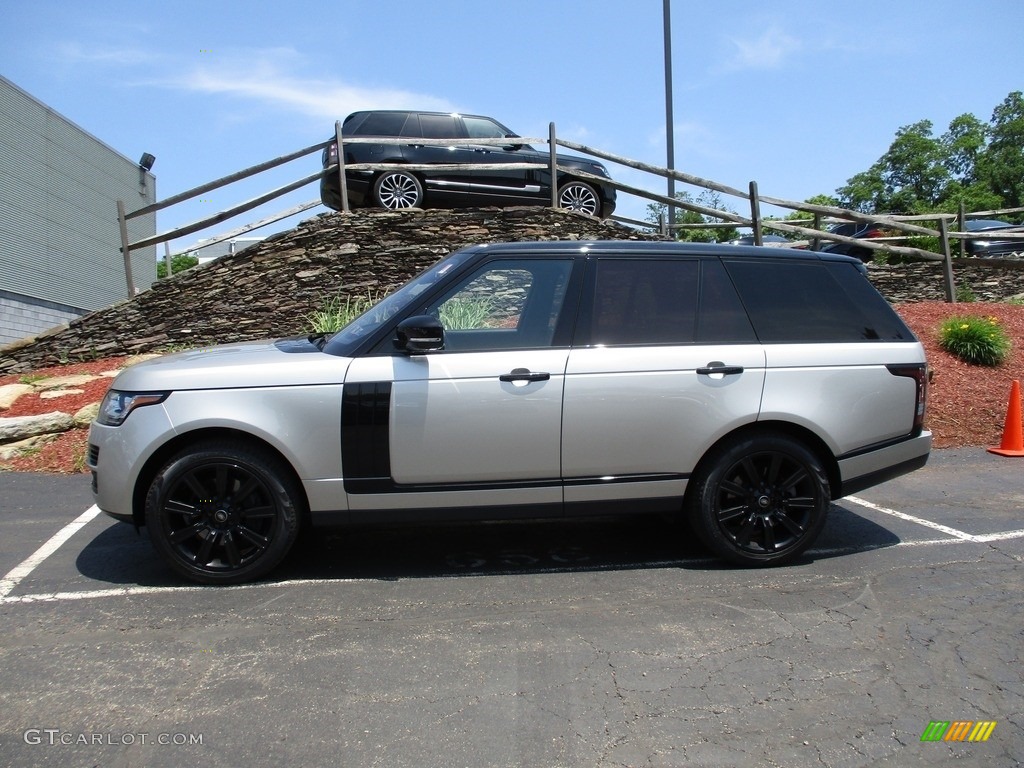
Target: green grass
{"points": [[338, 311], [464, 314]]}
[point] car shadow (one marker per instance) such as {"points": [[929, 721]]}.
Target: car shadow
{"points": [[120, 556]]}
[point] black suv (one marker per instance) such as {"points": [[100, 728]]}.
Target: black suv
{"points": [[447, 187]]}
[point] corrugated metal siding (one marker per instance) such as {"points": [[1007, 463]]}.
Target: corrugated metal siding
{"points": [[59, 186]]}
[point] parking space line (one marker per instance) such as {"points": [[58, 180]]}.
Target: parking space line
{"points": [[14, 577], [983, 539]]}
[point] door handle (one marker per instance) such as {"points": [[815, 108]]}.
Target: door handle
{"points": [[716, 367], [524, 374]]}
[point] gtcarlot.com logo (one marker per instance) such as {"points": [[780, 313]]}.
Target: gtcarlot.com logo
{"points": [[958, 730], [55, 736]]}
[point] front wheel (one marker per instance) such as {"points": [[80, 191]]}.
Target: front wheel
{"points": [[223, 512], [760, 500], [397, 190], [579, 196]]}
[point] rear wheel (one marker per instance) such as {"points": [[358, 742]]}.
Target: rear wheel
{"points": [[223, 512], [397, 190], [579, 196], [760, 500]]}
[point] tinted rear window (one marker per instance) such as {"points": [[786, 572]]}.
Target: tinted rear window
{"points": [[435, 127], [644, 302], [813, 301], [382, 124]]}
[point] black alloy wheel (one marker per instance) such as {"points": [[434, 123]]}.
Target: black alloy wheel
{"points": [[397, 190], [581, 197], [223, 512], [761, 500]]}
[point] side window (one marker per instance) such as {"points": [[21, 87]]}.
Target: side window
{"points": [[382, 124], [799, 301], [505, 305], [438, 127], [644, 301], [721, 317], [481, 128], [880, 320]]}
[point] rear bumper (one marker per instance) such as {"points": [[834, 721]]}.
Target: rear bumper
{"points": [[874, 467], [330, 194]]}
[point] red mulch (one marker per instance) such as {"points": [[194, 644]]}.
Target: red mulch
{"points": [[966, 403]]}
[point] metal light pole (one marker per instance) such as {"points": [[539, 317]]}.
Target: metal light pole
{"points": [[669, 131]]}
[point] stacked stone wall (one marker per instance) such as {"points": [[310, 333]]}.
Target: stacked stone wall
{"points": [[269, 289]]}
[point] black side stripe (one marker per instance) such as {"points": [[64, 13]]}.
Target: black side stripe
{"points": [[365, 446]]}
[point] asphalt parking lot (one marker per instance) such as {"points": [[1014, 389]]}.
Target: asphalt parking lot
{"points": [[608, 643]]}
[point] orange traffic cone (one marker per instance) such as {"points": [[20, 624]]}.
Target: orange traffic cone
{"points": [[1013, 441]]}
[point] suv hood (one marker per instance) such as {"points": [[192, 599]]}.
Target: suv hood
{"points": [[249, 364]]}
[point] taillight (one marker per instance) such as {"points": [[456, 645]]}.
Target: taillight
{"points": [[330, 155], [919, 373]]}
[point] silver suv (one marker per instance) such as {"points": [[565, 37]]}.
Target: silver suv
{"points": [[741, 387]]}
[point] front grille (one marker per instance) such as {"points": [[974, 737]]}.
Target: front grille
{"points": [[94, 455]]}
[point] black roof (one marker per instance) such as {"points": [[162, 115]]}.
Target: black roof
{"points": [[660, 248]]}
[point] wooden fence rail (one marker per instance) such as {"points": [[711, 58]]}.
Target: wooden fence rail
{"points": [[723, 218]]}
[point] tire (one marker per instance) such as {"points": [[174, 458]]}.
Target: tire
{"points": [[581, 197], [223, 512], [760, 500], [398, 190]]}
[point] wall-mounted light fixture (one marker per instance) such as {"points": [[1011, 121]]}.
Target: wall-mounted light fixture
{"points": [[145, 165]]}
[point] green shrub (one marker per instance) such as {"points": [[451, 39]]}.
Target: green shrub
{"points": [[338, 311], [975, 340], [965, 294]]}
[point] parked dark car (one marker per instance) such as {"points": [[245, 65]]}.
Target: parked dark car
{"points": [[856, 229], [452, 188], [985, 247]]}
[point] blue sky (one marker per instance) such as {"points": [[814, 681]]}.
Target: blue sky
{"points": [[798, 96]]}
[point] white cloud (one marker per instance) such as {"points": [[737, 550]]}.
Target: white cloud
{"points": [[767, 51], [75, 53], [267, 77]]}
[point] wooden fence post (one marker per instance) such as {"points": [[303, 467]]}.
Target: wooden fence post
{"points": [[125, 250], [553, 164], [755, 214], [947, 262], [961, 226], [341, 166]]}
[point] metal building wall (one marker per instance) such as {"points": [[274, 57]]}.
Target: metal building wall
{"points": [[59, 237]]}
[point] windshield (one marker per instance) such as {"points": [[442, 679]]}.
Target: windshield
{"points": [[344, 342]]}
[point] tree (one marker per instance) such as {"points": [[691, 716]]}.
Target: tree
{"points": [[1001, 165], [912, 171], [656, 212], [179, 263], [973, 163], [962, 144]]}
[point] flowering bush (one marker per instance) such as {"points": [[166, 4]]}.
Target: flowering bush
{"points": [[975, 340]]}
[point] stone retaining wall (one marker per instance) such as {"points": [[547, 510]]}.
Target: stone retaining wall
{"points": [[269, 289]]}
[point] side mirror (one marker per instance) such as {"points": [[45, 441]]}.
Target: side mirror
{"points": [[512, 147], [420, 334]]}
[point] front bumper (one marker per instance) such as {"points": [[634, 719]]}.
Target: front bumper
{"points": [[116, 456]]}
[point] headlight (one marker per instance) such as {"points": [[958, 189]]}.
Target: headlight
{"points": [[117, 405]]}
